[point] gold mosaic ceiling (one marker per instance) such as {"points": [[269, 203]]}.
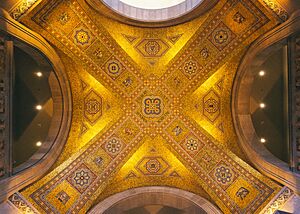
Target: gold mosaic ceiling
{"points": [[151, 106]]}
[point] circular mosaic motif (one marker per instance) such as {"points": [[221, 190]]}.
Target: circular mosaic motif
{"points": [[192, 144], [92, 106], [221, 36], [211, 105], [152, 48], [153, 166], [82, 37], [113, 146], [114, 67], [82, 178], [223, 174], [190, 67]]}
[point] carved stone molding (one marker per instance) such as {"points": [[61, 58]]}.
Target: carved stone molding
{"points": [[277, 9], [103, 9], [114, 199], [22, 204], [279, 201], [21, 8]]}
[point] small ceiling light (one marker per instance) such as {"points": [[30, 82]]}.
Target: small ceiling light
{"points": [[262, 140], [39, 74], [39, 143], [38, 107], [262, 105], [262, 73]]}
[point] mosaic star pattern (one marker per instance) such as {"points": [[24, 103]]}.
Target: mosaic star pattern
{"points": [[156, 114]]}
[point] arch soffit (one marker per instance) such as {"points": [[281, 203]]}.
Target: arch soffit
{"points": [[14, 183], [248, 139], [193, 198]]}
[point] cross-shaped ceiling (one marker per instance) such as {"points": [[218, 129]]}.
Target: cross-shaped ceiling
{"points": [[151, 106]]}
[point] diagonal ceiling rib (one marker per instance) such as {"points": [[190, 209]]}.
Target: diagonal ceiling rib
{"points": [[166, 89]]}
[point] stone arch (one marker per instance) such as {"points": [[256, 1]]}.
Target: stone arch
{"points": [[46, 156], [168, 196], [264, 160]]}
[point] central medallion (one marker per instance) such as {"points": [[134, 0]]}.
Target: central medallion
{"points": [[152, 106]]}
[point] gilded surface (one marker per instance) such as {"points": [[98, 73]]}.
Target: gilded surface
{"points": [[21, 8], [151, 107]]}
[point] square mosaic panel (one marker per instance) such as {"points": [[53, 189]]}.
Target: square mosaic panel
{"points": [[177, 81], [206, 159], [63, 197], [113, 67], [82, 37], [223, 174], [192, 145], [81, 178], [113, 146], [98, 53], [243, 192], [177, 130], [128, 82], [221, 36], [128, 131], [64, 19], [190, 67]]}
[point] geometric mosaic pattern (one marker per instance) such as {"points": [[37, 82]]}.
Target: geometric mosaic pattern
{"points": [[223, 174], [190, 67], [211, 105], [221, 36], [152, 47], [93, 107], [19, 202], [192, 145], [113, 67], [82, 37], [153, 107], [81, 178], [113, 146], [63, 197], [152, 166]]}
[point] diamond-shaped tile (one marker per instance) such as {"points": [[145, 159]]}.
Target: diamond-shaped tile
{"points": [[211, 105], [128, 82], [242, 191], [113, 67], [152, 47], [92, 107], [152, 166], [98, 52], [177, 82], [128, 131]]}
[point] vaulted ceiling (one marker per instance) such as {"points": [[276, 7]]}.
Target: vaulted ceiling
{"points": [[151, 106]]}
